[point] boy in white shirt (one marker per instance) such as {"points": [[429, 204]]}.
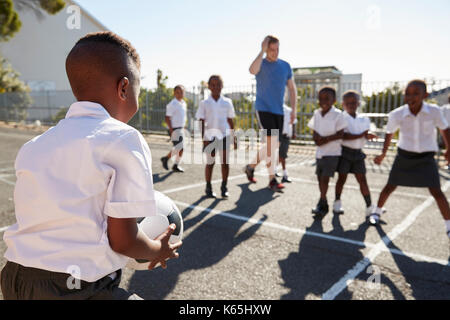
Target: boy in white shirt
{"points": [[414, 165], [216, 115], [176, 120], [328, 125], [82, 184], [352, 159], [285, 140]]}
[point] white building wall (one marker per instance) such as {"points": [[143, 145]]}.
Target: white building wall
{"points": [[38, 52]]}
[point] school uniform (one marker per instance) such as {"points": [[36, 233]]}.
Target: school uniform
{"points": [[352, 158], [285, 138], [217, 130], [414, 165], [176, 110], [70, 179], [327, 155]]}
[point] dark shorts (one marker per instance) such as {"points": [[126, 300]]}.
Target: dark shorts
{"points": [[327, 166], [25, 283], [352, 161], [177, 138], [284, 146], [412, 169], [271, 122], [219, 145]]}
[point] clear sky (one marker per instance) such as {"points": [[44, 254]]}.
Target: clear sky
{"points": [[385, 40]]}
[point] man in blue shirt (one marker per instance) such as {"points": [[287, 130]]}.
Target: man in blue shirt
{"points": [[272, 77]]}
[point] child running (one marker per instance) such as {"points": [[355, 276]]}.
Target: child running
{"points": [[414, 165], [176, 120]]}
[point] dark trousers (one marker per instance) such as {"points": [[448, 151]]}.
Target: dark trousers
{"points": [[25, 283]]}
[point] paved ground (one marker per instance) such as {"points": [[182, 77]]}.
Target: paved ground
{"points": [[260, 245]]}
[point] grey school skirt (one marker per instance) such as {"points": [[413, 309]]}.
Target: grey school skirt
{"points": [[412, 169]]}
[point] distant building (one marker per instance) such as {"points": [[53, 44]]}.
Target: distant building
{"points": [[39, 50], [441, 96], [313, 78]]}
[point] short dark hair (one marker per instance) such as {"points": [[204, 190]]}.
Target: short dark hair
{"points": [[217, 77], [418, 82], [329, 90], [180, 87], [114, 39], [273, 39], [351, 94]]}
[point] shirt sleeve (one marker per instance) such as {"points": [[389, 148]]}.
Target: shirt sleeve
{"points": [[130, 192], [440, 120], [169, 110], [289, 75], [231, 114], [311, 123], [200, 115], [393, 124]]}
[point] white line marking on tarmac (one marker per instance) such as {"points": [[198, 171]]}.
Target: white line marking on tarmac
{"points": [[313, 234], [3, 229], [381, 246], [2, 179]]}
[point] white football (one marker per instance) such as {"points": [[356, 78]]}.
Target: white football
{"points": [[166, 213]]}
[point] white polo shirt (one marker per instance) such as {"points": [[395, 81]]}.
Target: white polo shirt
{"points": [[328, 125], [356, 126], [287, 126], [176, 110], [69, 180], [417, 133], [215, 114]]}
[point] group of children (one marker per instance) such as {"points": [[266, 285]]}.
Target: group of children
{"points": [[340, 137], [82, 185]]}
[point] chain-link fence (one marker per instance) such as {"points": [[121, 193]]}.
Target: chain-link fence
{"points": [[378, 99]]}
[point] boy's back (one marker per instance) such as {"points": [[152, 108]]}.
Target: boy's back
{"points": [[68, 180]]}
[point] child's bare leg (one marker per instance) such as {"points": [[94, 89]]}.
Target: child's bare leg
{"points": [[364, 187], [323, 187], [441, 201], [385, 193], [342, 178]]}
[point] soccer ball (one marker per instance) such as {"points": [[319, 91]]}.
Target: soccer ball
{"points": [[153, 226]]}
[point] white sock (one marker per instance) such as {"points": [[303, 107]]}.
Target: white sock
{"points": [[379, 211], [447, 224], [285, 172]]}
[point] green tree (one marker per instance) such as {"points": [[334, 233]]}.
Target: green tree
{"points": [[10, 22], [14, 94]]}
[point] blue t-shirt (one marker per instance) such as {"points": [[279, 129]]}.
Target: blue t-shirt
{"points": [[270, 86]]}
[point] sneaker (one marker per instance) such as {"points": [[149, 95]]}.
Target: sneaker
{"points": [[275, 186], [278, 175], [165, 162], [210, 193], [372, 208], [337, 207], [177, 168], [224, 191], [286, 179], [374, 219], [321, 209], [250, 172]]}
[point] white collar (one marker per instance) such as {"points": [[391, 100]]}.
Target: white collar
{"points": [[87, 108], [407, 112], [212, 99]]}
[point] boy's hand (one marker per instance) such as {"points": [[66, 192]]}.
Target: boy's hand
{"points": [[371, 136], [265, 44], [379, 159], [167, 251]]}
